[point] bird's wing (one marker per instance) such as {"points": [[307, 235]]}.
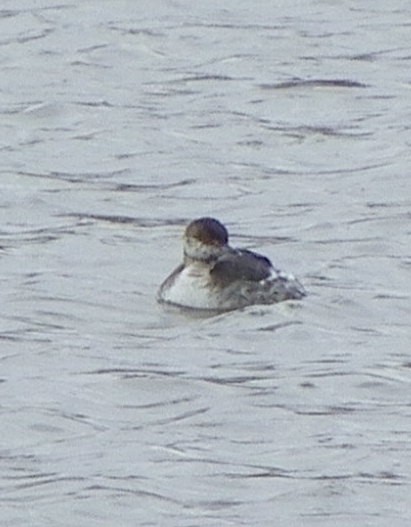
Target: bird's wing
{"points": [[241, 265]]}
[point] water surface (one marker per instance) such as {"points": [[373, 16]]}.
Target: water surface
{"points": [[121, 122]]}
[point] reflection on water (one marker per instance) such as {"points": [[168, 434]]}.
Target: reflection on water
{"points": [[289, 123]]}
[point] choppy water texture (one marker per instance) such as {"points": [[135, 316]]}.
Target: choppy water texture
{"points": [[121, 121]]}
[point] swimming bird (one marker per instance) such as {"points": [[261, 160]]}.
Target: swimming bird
{"points": [[215, 276]]}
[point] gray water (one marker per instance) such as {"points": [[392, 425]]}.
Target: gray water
{"points": [[121, 121]]}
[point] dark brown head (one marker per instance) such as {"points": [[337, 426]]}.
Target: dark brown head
{"points": [[205, 239]]}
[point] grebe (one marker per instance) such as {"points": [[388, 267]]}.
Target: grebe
{"points": [[215, 276]]}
